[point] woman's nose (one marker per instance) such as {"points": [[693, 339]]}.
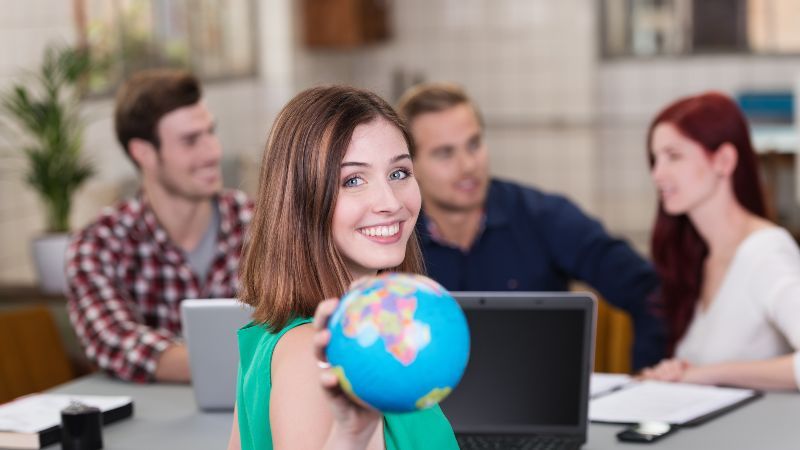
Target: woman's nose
{"points": [[386, 200]]}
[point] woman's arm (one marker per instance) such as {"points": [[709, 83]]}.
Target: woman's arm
{"points": [[307, 407], [769, 374], [234, 443]]}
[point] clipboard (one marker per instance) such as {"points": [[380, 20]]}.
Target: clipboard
{"points": [[722, 411], [679, 404]]}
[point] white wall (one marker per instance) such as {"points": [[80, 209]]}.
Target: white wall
{"points": [[556, 116], [25, 29], [529, 65]]}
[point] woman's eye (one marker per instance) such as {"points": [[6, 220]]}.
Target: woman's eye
{"points": [[353, 182], [399, 174]]}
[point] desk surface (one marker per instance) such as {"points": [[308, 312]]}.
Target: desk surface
{"points": [[165, 417]]}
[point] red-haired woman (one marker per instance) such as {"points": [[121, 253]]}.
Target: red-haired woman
{"points": [[730, 278]]}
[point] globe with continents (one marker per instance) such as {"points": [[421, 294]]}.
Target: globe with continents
{"points": [[399, 342]]}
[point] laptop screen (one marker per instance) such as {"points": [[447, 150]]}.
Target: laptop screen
{"points": [[529, 364]]}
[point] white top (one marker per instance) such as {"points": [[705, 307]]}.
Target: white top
{"points": [[756, 312]]}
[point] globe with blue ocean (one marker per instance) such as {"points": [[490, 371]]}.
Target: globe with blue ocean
{"points": [[399, 342]]}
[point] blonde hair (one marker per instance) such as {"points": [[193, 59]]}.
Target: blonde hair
{"points": [[433, 97]]}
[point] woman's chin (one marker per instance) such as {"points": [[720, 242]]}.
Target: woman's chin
{"points": [[674, 210]]}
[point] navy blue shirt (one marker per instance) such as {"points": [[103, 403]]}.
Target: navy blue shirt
{"points": [[534, 241]]}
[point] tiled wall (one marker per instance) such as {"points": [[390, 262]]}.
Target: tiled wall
{"points": [[556, 116], [529, 65], [241, 108], [25, 29]]}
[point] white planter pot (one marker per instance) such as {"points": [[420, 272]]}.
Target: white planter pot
{"points": [[48, 253]]}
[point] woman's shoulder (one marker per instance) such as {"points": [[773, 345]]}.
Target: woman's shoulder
{"points": [[769, 256], [258, 338], [293, 344], [767, 238], [299, 334], [264, 329]]}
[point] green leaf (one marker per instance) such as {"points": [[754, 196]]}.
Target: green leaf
{"points": [[45, 107]]}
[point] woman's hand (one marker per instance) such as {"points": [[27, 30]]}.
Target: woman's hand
{"points": [[667, 370], [354, 424]]}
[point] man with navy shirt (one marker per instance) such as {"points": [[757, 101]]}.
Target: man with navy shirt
{"points": [[480, 233]]}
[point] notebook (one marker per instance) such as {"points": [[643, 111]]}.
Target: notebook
{"points": [[34, 421], [527, 380], [209, 327]]}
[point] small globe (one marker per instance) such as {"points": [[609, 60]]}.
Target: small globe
{"points": [[399, 342]]}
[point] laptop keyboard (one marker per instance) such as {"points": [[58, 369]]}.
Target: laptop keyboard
{"points": [[514, 442]]}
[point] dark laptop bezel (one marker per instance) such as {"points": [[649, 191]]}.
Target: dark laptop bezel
{"points": [[583, 301]]}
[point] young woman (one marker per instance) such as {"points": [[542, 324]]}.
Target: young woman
{"points": [[730, 278], [337, 201]]}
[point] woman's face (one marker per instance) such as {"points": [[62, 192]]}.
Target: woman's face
{"points": [[378, 201], [682, 170]]}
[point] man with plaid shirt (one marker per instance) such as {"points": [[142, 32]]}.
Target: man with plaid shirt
{"points": [[180, 237]]}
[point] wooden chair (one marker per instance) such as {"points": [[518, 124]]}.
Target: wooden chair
{"points": [[32, 356], [614, 339]]}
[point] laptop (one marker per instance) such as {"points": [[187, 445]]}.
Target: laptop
{"points": [[209, 328], [527, 381]]}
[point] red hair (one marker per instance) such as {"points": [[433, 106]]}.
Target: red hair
{"points": [[710, 119]]}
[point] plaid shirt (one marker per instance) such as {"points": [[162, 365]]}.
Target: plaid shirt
{"points": [[127, 280]]}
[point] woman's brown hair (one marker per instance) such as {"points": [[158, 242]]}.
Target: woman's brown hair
{"points": [[290, 262]]}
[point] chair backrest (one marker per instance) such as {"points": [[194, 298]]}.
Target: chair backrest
{"points": [[613, 335], [614, 339], [32, 356]]}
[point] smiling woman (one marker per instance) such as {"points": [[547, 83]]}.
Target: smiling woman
{"points": [[337, 201]]}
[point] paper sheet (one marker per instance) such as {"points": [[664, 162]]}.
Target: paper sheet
{"points": [[603, 383], [675, 403]]}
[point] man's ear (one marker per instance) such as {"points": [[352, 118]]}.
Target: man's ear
{"points": [[143, 152], [725, 159]]}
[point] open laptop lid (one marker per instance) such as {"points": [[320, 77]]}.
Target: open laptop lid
{"points": [[209, 327], [530, 360]]}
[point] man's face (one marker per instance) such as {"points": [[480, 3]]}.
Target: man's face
{"points": [[451, 160], [190, 153]]}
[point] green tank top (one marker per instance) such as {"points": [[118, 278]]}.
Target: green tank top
{"points": [[418, 430]]}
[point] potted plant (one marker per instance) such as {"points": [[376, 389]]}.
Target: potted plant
{"points": [[45, 108]]}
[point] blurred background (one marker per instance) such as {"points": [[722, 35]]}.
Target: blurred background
{"points": [[567, 87]]}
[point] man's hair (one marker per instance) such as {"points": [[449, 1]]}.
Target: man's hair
{"points": [[146, 97], [433, 97], [290, 261]]}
